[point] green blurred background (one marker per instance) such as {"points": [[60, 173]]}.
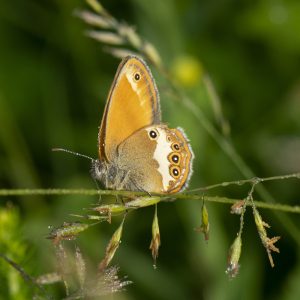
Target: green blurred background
{"points": [[53, 87]]}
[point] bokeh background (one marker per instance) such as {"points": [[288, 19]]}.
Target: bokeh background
{"points": [[53, 87]]}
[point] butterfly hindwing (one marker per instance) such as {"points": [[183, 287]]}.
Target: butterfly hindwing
{"points": [[159, 159]]}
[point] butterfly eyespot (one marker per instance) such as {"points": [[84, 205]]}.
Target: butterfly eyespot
{"points": [[153, 134], [168, 138], [175, 147], [175, 172], [174, 158], [137, 76]]}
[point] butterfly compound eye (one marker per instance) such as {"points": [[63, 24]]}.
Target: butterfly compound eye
{"points": [[153, 134], [137, 76]]}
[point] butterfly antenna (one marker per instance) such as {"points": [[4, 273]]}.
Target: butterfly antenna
{"points": [[72, 152]]}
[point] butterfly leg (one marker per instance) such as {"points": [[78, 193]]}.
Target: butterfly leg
{"points": [[138, 188], [98, 188], [122, 182]]}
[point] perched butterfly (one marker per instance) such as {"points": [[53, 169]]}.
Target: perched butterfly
{"points": [[137, 151]]}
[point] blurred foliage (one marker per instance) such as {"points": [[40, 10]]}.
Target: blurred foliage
{"points": [[13, 246], [53, 86]]}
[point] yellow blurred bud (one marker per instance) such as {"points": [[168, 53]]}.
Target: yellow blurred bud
{"points": [[187, 70]]}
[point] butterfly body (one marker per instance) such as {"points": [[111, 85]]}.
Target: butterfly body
{"points": [[136, 151]]}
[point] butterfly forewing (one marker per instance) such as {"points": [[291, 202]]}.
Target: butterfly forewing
{"points": [[133, 103]]}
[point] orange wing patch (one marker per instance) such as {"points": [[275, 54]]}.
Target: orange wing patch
{"points": [[133, 103]]}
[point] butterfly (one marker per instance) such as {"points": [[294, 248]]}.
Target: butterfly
{"points": [[137, 152]]}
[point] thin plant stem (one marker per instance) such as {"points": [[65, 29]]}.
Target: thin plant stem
{"points": [[242, 182], [129, 194]]}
